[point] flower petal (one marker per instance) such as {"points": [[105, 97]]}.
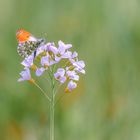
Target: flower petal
{"points": [[25, 75], [28, 62], [40, 71], [71, 85]]}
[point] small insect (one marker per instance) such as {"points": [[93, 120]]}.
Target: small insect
{"points": [[27, 43]]}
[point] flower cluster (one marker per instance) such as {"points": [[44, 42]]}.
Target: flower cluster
{"points": [[47, 55]]}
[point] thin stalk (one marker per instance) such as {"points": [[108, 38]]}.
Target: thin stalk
{"points": [[52, 105], [52, 119], [57, 89], [42, 90], [59, 99]]}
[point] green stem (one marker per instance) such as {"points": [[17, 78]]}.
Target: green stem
{"points": [[42, 90], [52, 107], [52, 119], [59, 98]]}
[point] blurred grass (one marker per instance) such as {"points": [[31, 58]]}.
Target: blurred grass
{"points": [[106, 104]]}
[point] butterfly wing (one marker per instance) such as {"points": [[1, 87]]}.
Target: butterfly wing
{"points": [[27, 43]]}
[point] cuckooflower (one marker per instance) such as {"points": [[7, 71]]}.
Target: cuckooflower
{"points": [[46, 55], [78, 66], [63, 51], [51, 48], [39, 57], [47, 61], [72, 75], [62, 47], [60, 75], [71, 85]]}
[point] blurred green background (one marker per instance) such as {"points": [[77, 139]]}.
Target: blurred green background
{"points": [[105, 106]]}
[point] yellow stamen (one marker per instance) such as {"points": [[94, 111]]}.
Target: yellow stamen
{"points": [[44, 53], [71, 68], [50, 53], [68, 78], [46, 66], [38, 58]]}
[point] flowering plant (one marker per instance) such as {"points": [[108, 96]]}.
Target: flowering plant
{"points": [[62, 65]]}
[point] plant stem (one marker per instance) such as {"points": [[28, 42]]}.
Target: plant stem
{"points": [[52, 119], [52, 107], [42, 90], [59, 99]]}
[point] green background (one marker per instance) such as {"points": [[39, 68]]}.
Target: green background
{"points": [[106, 104]]}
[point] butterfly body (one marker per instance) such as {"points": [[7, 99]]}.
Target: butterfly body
{"points": [[27, 43]]}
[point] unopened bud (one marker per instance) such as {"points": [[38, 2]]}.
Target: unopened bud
{"points": [[33, 67], [32, 81], [67, 90]]}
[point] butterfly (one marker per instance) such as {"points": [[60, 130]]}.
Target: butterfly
{"points": [[27, 43]]}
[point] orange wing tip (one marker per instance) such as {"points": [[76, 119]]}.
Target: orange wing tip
{"points": [[22, 35]]}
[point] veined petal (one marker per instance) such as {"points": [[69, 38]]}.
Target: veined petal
{"points": [[60, 75], [60, 72], [45, 60], [79, 65], [67, 54], [75, 54], [28, 62], [25, 75], [72, 75], [57, 59], [62, 79], [71, 85], [52, 48], [40, 71], [62, 47], [80, 70]]}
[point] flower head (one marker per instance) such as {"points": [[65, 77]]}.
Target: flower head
{"points": [[44, 56]]}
